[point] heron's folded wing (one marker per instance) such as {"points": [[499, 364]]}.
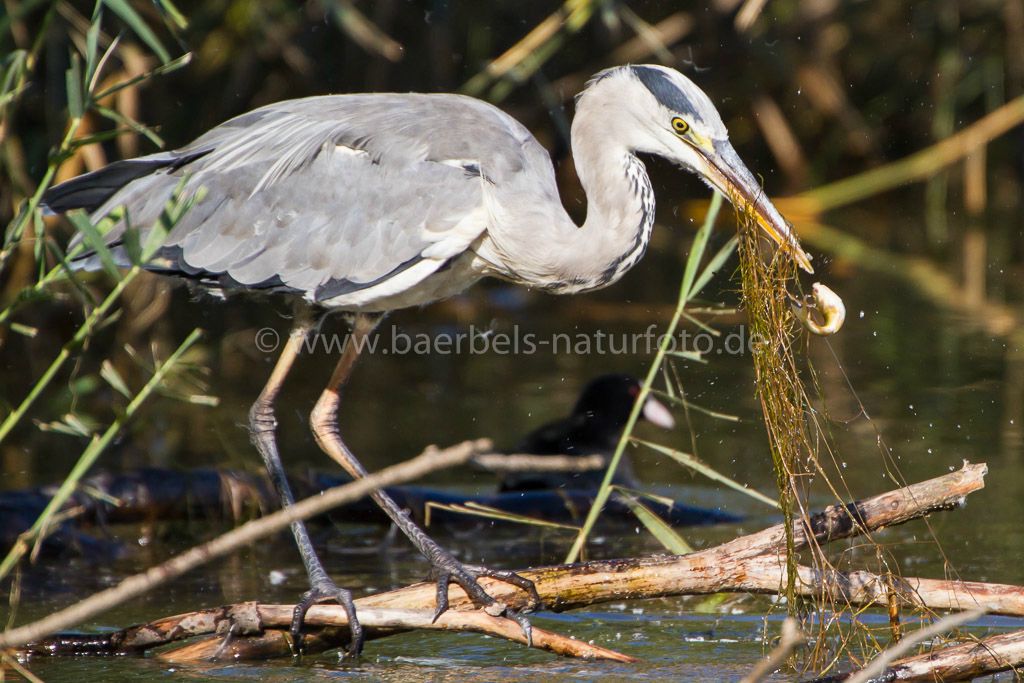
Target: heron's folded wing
{"points": [[332, 193]]}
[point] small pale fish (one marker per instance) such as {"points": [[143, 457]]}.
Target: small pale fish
{"points": [[829, 308]]}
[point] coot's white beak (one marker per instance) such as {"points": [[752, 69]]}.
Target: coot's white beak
{"points": [[656, 413]]}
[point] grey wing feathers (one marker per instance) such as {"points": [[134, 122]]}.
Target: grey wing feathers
{"points": [[91, 190], [325, 195]]}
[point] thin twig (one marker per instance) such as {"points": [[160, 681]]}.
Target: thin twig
{"points": [[522, 462], [791, 638]]}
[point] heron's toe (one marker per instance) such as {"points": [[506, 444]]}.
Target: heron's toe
{"points": [[321, 591]]}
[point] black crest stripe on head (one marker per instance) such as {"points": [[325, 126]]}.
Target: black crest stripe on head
{"points": [[663, 89]]}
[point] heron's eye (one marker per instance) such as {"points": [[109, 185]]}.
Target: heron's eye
{"points": [[680, 126]]}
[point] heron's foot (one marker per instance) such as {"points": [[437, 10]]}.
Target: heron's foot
{"points": [[448, 570], [324, 589]]}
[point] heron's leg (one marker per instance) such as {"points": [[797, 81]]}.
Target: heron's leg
{"points": [[324, 423], [262, 425]]}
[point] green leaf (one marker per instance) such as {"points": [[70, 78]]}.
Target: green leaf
{"points": [[124, 10], [13, 81], [715, 264], [70, 425], [695, 406], [92, 42], [130, 238], [637, 493], [174, 209], [665, 534], [118, 117], [114, 379], [89, 456], [173, 13], [100, 136], [487, 512], [201, 400], [73, 81], [24, 330], [699, 243], [695, 356], [173, 65], [700, 467], [95, 241], [702, 325]]}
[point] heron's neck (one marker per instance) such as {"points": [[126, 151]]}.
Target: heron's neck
{"points": [[620, 212], [538, 244]]}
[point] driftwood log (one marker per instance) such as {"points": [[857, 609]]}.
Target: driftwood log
{"points": [[752, 563], [1004, 652]]}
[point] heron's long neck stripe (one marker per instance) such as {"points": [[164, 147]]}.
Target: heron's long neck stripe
{"points": [[640, 184]]}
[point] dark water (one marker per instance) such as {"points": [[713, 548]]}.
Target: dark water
{"points": [[939, 389]]}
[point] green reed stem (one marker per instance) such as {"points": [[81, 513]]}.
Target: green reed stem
{"points": [[666, 344], [90, 454], [94, 318]]}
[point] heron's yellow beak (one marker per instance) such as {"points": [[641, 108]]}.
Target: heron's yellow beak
{"points": [[726, 171]]}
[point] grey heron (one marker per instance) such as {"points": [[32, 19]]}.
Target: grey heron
{"points": [[369, 203]]}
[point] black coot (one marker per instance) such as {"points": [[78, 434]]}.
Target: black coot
{"points": [[594, 427]]}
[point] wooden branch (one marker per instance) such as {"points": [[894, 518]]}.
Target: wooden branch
{"points": [[955, 663], [911, 642], [749, 564], [987, 656], [711, 570], [276, 619], [249, 630], [865, 588], [750, 575], [632, 579], [853, 519], [429, 461]]}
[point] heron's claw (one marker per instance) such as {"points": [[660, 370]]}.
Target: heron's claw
{"points": [[510, 577], [442, 579], [325, 589], [449, 570]]}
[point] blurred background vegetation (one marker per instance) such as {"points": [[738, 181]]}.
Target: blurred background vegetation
{"points": [[812, 91]]}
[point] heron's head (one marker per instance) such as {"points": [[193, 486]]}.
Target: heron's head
{"points": [[657, 110]]}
